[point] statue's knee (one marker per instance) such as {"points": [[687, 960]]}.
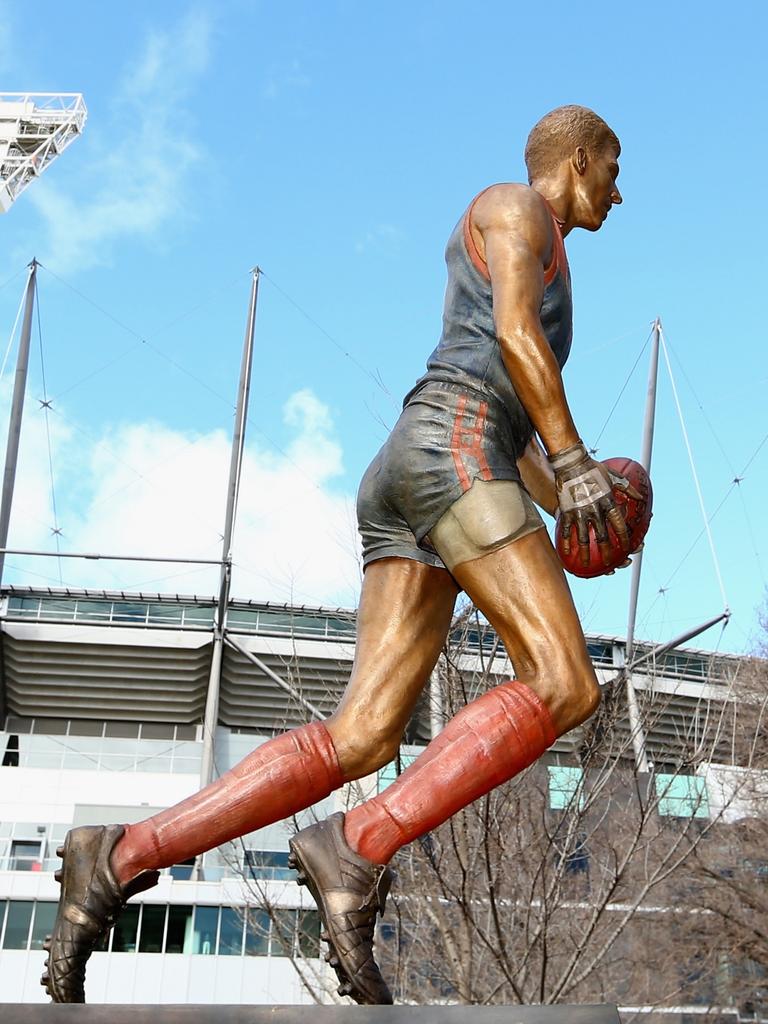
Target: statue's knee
{"points": [[569, 688], [581, 697], [362, 747]]}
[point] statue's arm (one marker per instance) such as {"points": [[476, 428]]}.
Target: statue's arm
{"points": [[537, 475], [516, 231]]}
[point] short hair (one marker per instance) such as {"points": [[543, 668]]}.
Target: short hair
{"points": [[554, 138]]}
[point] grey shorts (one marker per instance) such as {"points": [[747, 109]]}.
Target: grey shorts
{"points": [[446, 438]]}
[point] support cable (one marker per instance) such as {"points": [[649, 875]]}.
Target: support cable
{"points": [[753, 541], [737, 478], [375, 377], [703, 412], [13, 335], [99, 369], [666, 586], [594, 449], [45, 406], [142, 341], [139, 337], [22, 570], [263, 667], [163, 579], [144, 478], [713, 552]]}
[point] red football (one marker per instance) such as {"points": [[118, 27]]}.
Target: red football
{"points": [[636, 513]]}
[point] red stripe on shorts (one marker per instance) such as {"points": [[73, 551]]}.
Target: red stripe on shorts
{"points": [[467, 441]]}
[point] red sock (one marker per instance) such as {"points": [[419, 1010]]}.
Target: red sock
{"points": [[486, 743], [279, 778]]}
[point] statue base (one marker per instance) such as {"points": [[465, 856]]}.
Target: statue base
{"points": [[97, 1013]]}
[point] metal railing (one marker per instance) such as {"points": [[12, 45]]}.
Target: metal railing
{"points": [[321, 625]]}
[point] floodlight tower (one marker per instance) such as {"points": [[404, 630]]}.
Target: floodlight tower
{"points": [[35, 128]]}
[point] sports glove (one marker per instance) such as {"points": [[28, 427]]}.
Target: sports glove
{"points": [[585, 495]]}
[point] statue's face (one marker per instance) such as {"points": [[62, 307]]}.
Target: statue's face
{"points": [[596, 186]]}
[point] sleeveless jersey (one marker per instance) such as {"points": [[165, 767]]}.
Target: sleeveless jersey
{"points": [[468, 353]]}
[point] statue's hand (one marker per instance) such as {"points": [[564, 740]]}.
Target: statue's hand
{"points": [[585, 495]]}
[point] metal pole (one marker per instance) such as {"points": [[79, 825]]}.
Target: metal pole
{"points": [[263, 667], [241, 415], [95, 556], [436, 710], [633, 710], [233, 489], [670, 645], [17, 410]]}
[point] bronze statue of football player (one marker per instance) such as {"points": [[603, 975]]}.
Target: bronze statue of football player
{"points": [[446, 505]]}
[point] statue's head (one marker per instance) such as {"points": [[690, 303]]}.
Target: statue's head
{"points": [[574, 144]]}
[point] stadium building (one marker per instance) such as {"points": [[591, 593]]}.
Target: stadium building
{"points": [[102, 697]]}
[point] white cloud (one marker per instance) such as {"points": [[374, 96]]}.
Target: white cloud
{"points": [[8, 62], [383, 237], [284, 78], [134, 181], [148, 489]]}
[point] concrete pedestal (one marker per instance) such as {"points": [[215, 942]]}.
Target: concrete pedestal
{"points": [[15, 1013]]}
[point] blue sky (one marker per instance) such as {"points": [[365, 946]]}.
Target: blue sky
{"points": [[336, 145]]}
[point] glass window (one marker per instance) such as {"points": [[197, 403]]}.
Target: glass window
{"points": [[126, 930], [179, 936], [57, 608], [308, 925], [165, 613], [17, 924], [256, 932], [275, 621], [25, 605], [268, 864], [156, 731], [388, 773], [117, 762], [26, 855], [198, 615], [204, 931], [127, 611], [98, 611], [77, 759], [122, 730], [15, 723], [682, 796], [2, 916], [600, 651], [186, 732], [45, 915], [243, 618], [152, 928], [51, 726], [577, 858], [563, 783], [283, 931], [11, 754], [308, 624], [231, 932], [34, 760], [85, 727], [345, 627], [183, 872]]}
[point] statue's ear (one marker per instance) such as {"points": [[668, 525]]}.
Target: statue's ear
{"points": [[580, 160]]}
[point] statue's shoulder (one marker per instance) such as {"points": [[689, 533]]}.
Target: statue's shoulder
{"points": [[510, 201], [512, 193]]}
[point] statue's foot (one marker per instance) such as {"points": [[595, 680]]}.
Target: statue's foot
{"points": [[349, 891], [90, 902]]}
